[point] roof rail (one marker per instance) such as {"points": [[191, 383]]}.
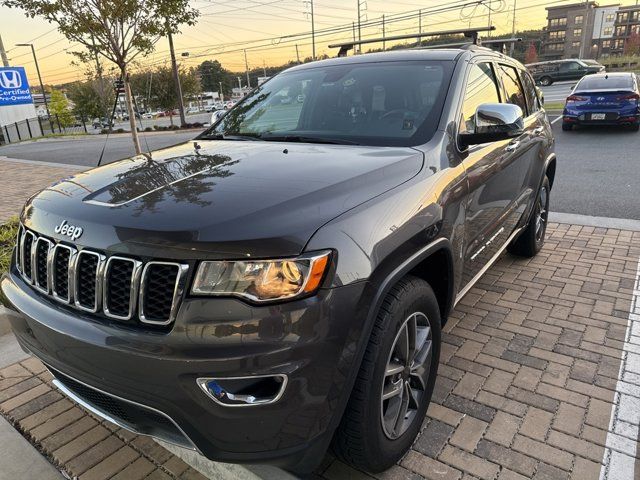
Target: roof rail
{"points": [[471, 33], [501, 42]]}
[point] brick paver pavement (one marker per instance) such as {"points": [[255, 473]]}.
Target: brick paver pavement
{"points": [[20, 180], [526, 387]]}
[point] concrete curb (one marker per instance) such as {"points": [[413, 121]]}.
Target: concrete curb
{"points": [[589, 221], [5, 326]]}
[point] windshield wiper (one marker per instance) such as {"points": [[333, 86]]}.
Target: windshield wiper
{"points": [[307, 139], [222, 136]]}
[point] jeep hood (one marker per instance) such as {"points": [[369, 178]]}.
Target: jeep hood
{"points": [[228, 199]]}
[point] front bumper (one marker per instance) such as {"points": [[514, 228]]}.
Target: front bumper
{"points": [[313, 341]]}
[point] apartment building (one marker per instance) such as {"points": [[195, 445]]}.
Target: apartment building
{"points": [[626, 29], [588, 30]]}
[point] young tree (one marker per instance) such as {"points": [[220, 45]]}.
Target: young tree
{"points": [[59, 107], [532, 54], [632, 45], [118, 30], [162, 89]]}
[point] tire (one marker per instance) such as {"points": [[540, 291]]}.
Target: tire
{"points": [[567, 127], [546, 81], [635, 128], [367, 437], [531, 240]]}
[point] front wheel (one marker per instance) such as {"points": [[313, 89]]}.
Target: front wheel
{"points": [[530, 241], [567, 127], [546, 81], [396, 379]]}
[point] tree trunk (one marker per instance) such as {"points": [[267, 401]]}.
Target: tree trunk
{"points": [[132, 114]]}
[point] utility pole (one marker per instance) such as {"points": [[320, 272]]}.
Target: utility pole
{"points": [[297, 53], [35, 60], [513, 27], [239, 82], [246, 67], [585, 22], [359, 28], [489, 24], [176, 78], [313, 32], [384, 42], [3, 54], [418, 40], [264, 68], [221, 95]]}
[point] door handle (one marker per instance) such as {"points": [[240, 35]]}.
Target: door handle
{"points": [[513, 146]]}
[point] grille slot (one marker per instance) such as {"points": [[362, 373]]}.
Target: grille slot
{"points": [[120, 285], [59, 271], [40, 264], [27, 244], [116, 287], [160, 290], [86, 293]]}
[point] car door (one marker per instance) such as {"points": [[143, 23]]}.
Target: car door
{"points": [[492, 191], [571, 71], [524, 163]]}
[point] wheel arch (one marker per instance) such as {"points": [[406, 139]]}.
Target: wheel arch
{"points": [[550, 169]]}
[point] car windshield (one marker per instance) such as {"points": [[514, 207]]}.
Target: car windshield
{"points": [[383, 104], [605, 83]]}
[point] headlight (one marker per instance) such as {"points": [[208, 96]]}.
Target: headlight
{"points": [[261, 280]]}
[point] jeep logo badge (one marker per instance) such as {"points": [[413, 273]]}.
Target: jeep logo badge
{"points": [[70, 231]]}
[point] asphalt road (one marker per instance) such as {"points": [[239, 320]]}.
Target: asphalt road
{"points": [[558, 92], [85, 150], [598, 168], [598, 172]]}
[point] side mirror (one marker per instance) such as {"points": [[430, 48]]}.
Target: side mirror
{"points": [[494, 122]]}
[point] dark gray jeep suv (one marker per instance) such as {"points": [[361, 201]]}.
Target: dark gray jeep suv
{"points": [[280, 284]]}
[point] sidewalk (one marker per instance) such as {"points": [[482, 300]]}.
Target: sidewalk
{"points": [[539, 378]]}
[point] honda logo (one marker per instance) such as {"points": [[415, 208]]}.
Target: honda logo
{"points": [[10, 79], [600, 99]]}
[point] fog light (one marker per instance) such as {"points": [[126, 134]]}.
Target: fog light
{"points": [[244, 391]]}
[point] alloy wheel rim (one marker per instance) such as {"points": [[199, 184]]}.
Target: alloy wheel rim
{"points": [[541, 217], [406, 375]]}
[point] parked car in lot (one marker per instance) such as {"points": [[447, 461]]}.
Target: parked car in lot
{"points": [[545, 73], [280, 284], [217, 115], [604, 99], [101, 123]]}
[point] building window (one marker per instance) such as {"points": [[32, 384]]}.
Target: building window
{"points": [[579, 19], [575, 44], [618, 44], [623, 16], [558, 22], [577, 32], [635, 30], [557, 35], [608, 31], [606, 44], [611, 17], [635, 16], [621, 30]]}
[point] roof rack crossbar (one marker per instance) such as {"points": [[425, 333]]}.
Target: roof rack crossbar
{"points": [[471, 33]]}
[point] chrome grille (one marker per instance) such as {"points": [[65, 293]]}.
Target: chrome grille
{"points": [[116, 287]]}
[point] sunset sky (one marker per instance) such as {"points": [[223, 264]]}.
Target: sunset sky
{"points": [[226, 27]]}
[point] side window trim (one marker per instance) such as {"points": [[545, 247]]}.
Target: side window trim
{"points": [[504, 89]]}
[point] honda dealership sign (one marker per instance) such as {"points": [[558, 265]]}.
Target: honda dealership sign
{"points": [[14, 87]]}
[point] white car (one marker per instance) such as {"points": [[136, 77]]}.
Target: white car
{"points": [[147, 115], [217, 115]]}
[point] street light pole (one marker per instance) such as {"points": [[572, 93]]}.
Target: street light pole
{"points": [[35, 59], [176, 77]]}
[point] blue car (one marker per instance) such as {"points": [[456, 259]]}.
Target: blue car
{"points": [[604, 99]]}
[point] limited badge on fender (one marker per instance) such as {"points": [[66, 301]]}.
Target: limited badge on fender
{"points": [[70, 231]]}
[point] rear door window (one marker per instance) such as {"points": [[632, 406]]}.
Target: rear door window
{"points": [[512, 87], [533, 104], [481, 88]]}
